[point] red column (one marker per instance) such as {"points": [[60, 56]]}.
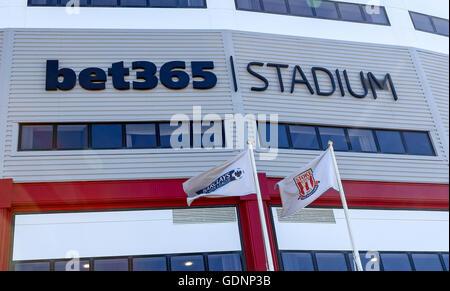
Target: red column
{"points": [[5, 222]]}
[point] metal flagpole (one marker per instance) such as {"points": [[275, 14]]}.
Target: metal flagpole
{"points": [[262, 216], [356, 257]]}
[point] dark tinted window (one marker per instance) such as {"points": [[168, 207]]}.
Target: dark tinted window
{"points": [[418, 143], [62, 265], [304, 137], [187, 263], [165, 131], [427, 262], [38, 266], [362, 140], [371, 263], [445, 258], [336, 135], [82, 2], [71, 136], [297, 261], [141, 135], [422, 22], [36, 137], [351, 12], [390, 142], [43, 2], [300, 7], [395, 262], [283, 140], [225, 262], [106, 136], [375, 14], [163, 3], [211, 134], [104, 2], [254, 5], [150, 264], [275, 6], [327, 10], [331, 262], [133, 3], [191, 3], [111, 265], [441, 25]]}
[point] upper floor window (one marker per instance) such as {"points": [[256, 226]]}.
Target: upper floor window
{"points": [[319, 9], [429, 23], [124, 3]]}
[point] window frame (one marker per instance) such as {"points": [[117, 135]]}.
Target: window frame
{"points": [[118, 5], [430, 17]]}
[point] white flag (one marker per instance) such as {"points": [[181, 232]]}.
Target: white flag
{"points": [[233, 178], [307, 184]]}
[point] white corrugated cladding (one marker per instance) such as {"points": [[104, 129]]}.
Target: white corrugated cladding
{"points": [[411, 111], [29, 102], [435, 67], [79, 49]]}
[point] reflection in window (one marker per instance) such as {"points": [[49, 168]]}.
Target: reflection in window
{"points": [[150, 264], [71, 136], [362, 140], [187, 263], [300, 8], [111, 265], [303, 137], [327, 10], [36, 137], [390, 142], [395, 262], [331, 262], [38, 266], [106, 136], [141, 135], [225, 262], [336, 135], [297, 261], [427, 262]]}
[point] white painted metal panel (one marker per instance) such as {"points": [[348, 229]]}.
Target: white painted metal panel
{"points": [[121, 233], [374, 230], [410, 112]]}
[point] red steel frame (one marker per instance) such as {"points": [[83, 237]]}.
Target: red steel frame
{"points": [[96, 195]]}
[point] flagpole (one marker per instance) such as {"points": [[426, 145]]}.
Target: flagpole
{"points": [[262, 216], [356, 257]]}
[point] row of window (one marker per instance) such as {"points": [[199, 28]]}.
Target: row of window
{"points": [[319, 9], [291, 136], [124, 3], [343, 261], [195, 262], [429, 23], [111, 136]]}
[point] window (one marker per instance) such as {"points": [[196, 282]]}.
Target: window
{"points": [[390, 142], [351, 12], [300, 8], [210, 137], [63, 265], [275, 6], [336, 135], [445, 259], [422, 22], [165, 132], [187, 263], [395, 262], [125, 3], [107, 136], [111, 265], [225, 262], [304, 137], [331, 262], [141, 135], [427, 262], [429, 23], [37, 266], [418, 143], [283, 140], [150, 264], [36, 137], [319, 9], [297, 261], [72, 136], [327, 10], [362, 140]]}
